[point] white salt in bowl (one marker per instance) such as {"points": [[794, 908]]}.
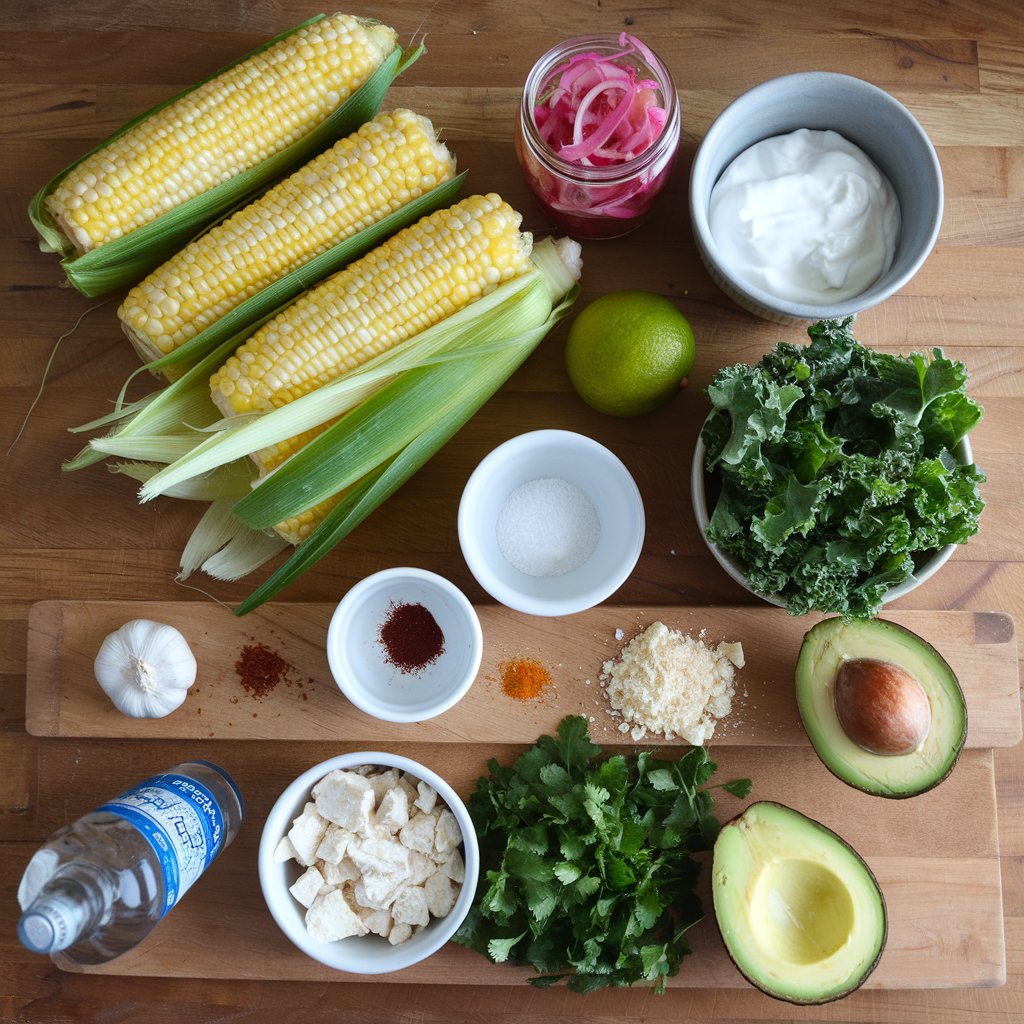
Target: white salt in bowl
{"points": [[359, 661], [364, 954], [575, 491]]}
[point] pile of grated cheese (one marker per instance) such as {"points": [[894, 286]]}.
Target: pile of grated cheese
{"points": [[669, 683]]}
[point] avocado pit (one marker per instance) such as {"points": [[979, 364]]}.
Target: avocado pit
{"points": [[881, 707]]}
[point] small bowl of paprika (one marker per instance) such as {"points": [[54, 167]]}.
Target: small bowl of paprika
{"points": [[404, 645]]}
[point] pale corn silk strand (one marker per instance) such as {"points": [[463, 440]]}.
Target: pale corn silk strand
{"points": [[46, 373]]}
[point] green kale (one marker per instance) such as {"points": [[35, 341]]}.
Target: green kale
{"points": [[586, 870], [834, 468]]}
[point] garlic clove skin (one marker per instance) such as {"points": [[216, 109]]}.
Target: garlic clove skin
{"points": [[145, 668]]}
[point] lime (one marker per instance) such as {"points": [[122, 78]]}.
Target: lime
{"points": [[628, 351]]}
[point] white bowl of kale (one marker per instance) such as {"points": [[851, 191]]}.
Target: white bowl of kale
{"points": [[833, 477]]}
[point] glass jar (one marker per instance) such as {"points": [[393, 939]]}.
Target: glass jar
{"points": [[591, 200]]}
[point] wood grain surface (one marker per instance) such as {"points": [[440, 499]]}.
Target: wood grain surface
{"points": [[73, 73], [63, 698]]}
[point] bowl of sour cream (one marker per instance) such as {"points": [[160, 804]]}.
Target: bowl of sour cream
{"points": [[814, 196]]}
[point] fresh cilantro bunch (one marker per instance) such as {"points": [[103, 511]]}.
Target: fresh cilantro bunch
{"points": [[588, 874], [835, 468]]}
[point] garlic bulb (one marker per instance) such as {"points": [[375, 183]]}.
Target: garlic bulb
{"points": [[145, 668]]}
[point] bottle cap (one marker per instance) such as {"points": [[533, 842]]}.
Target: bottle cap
{"points": [[51, 924]]}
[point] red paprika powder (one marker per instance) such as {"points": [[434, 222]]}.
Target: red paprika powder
{"points": [[411, 637], [260, 669]]}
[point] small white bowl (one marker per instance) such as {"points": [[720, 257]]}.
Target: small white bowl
{"points": [[365, 954], [863, 114], [698, 497], [359, 661], [592, 468]]}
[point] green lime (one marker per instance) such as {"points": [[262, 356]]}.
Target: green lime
{"points": [[628, 351]]}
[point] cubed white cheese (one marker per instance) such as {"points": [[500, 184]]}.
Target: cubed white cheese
{"points": [[284, 851], [379, 922], [376, 891], [418, 834], [447, 834], [421, 867], [307, 886], [331, 918], [393, 810], [382, 782], [454, 867], [334, 844], [440, 894], [345, 799], [378, 855], [335, 874], [426, 796], [410, 906], [305, 835]]}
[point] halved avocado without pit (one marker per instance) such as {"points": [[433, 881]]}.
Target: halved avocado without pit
{"points": [[800, 913], [881, 707]]}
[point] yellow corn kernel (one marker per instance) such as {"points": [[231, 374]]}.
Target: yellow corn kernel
{"points": [[419, 277], [223, 127], [385, 164]]}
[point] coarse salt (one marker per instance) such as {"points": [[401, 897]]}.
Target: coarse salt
{"points": [[547, 527], [669, 683]]}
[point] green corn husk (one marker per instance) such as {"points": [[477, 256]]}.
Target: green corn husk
{"points": [[224, 547], [238, 439], [232, 481], [128, 259]]}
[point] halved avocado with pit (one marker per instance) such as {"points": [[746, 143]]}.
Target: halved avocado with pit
{"points": [[881, 707], [800, 913]]}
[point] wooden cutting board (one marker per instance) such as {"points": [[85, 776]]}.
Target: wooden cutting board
{"points": [[63, 698], [935, 857]]}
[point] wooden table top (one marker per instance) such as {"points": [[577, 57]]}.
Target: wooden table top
{"points": [[73, 73]]}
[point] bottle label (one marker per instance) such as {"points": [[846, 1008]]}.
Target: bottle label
{"points": [[183, 823]]}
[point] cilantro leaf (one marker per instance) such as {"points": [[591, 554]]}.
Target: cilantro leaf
{"points": [[587, 868]]}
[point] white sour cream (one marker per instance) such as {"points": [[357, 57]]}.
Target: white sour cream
{"points": [[806, 217]]}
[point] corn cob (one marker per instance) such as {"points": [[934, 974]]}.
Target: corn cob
{"points": [[417, 278], [387, 163], [218, 130]]}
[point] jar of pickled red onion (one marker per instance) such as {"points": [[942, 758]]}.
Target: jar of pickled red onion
{"points": [[597, 133]]}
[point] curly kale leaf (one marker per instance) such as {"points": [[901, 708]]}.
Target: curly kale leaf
{"points": [[835, 470]]}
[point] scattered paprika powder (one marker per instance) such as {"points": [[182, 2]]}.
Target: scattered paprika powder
{"points": [[523, 678], [260, 669]]}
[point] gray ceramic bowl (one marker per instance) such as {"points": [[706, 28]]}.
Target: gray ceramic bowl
{"points": [[869, 118], [698, 496]]}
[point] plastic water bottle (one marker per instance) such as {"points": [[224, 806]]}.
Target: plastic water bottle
{"points": [[99, 885]]}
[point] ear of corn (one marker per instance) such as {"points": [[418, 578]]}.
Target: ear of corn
{"points": [[241, 436], [487, 372], [187, 400], [360, 182], [161, 225], [332, 484], [414, 280]]}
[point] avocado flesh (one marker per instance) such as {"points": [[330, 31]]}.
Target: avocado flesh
{"points": [[799, 911], [831, 642]]}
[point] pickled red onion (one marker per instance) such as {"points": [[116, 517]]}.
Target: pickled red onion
{"points": [[600, 112]]}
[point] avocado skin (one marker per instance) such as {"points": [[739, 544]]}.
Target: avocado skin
{"points": [[736, 822], [942, 681]]}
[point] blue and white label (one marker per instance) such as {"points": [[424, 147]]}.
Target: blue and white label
{"points": [[182, 822]]}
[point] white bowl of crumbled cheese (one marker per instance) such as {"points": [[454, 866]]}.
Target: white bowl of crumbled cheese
{"points": [[551, 523], [368, 862]]}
